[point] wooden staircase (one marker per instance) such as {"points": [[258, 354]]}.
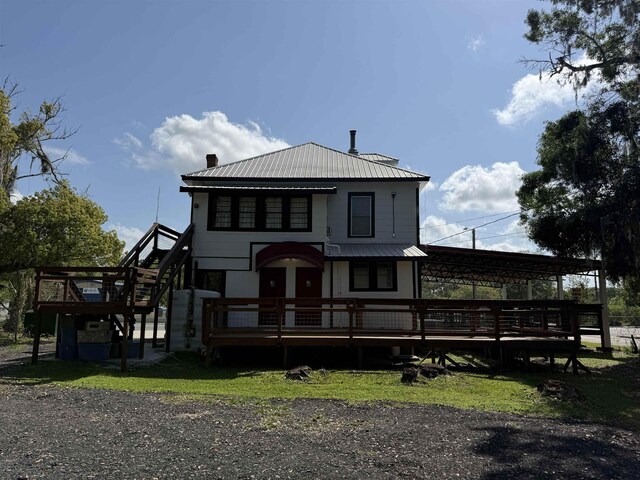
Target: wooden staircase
{"points": [[134, 287]]}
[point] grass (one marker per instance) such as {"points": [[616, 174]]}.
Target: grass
{"points": [[612, 395]]}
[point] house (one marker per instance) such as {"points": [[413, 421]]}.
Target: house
{"points": [[306, 222]]}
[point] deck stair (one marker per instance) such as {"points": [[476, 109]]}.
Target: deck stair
{"points": [[118, 294]]}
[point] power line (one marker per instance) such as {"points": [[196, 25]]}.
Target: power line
{"points": [[468, 219], [490, 236], [471, 228]]}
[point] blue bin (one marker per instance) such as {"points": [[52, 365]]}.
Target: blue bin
{"points": [[67, 352], [94, 352], [68, 336], [133, 348]]}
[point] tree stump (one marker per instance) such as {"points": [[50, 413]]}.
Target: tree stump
{"points": [[560, 391], [298, 373], [409, 375]]}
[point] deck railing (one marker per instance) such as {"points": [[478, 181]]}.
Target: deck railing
{"points": [[395, 317], [131, 286]]}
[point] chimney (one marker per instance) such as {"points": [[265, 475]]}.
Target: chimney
{"points": [[353, 150], [212, 160]]}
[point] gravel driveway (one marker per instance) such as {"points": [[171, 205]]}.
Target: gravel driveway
{"points": [[53, 432]]}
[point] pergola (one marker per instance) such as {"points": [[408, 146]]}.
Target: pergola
{"points": [[497, 269]]}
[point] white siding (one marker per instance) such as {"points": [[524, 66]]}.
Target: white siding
{"points": [[405, 212]]}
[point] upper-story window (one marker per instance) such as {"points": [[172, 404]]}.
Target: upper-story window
{"points": [[361, 214], [260, 213]]}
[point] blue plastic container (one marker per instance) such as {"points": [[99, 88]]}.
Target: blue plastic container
{"points": [[94, 352], [133, 348], [68, 336], [67, 352]]}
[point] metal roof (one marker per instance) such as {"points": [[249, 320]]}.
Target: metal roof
{"points": [[494, 268], [260, 188], [373, 250], [306, 162], [378, 157]]}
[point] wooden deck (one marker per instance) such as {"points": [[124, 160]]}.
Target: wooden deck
{"points": [[442, 325]]}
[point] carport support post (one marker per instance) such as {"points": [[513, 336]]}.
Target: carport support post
{"points": [[606, 333], [124, 344]]}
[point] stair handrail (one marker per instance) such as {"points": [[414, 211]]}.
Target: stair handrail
{"points": [[139, 246], [168, 259]]}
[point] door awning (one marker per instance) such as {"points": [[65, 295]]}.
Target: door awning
{"points": [[282, 250]]}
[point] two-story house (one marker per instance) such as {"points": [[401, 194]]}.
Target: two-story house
{"points": [[306, 222]]}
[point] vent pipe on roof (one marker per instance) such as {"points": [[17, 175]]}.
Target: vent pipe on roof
{"points": [[212, 160], [353, 150]]}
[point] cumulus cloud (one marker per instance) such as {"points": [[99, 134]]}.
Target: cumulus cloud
{"points": [[15, 196], [475, 43], [529, 96], [71, 157], [477, 188], [181, 143], [130, 235], [532, 94], [431, 186], [434, 228]]}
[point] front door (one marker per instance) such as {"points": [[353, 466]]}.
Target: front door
{"points": [[273, 284], [309, 285]]}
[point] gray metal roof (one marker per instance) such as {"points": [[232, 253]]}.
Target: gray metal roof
{"points": [[268, 188], [304, 162], [373, 250], [378, 157]]}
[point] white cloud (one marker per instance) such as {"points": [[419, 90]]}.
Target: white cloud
{"points": [[431, 186], [532, 94], [71, 156], [475, 43], [529, 96], [182, 142], [15, 196], [477, 188], [128, 142], [434, 228], [130, 235]]}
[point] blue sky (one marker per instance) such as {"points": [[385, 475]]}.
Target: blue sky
{"points": [[154, 85]]}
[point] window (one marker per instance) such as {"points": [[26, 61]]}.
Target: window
{"points": [[260, 213], [299, 213], [372, 276], [361, 215], [222, 212], [273, 213], [247, 212]]}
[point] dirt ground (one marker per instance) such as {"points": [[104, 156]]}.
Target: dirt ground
{"points": [[53, 432]]}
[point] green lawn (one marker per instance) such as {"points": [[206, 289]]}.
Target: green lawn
{"points": [[612, 394]]}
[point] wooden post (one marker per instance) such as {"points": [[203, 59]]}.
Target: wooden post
{"points": [[143, 326], [36, 337], [154, 341], [167, 320], [280, 307], [605, 332], [351, 307], [423, 313], [124, 344], [496, 322]]}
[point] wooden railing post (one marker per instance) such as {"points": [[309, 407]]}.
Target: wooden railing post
{"points": [[280, 307], [351, 307], [422, 308], [575, 325], [496, 321]]}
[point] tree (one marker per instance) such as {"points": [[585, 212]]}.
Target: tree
{"points": [[587, 37], [56, 227], [25, 140], [584, 201]]}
